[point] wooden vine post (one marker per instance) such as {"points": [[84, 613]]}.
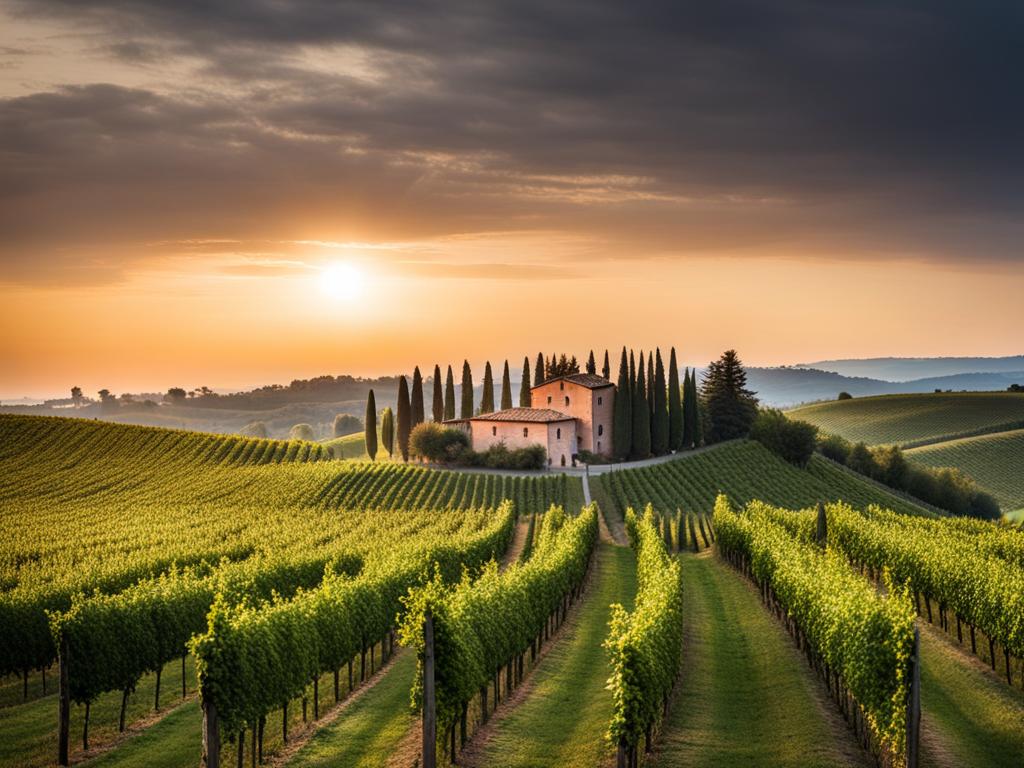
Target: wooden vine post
{"points": [[914, 705], [429, 698], [821, 533], [211, 735], [64, 705]]}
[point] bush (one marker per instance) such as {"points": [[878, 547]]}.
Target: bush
{"points": [[860, 460], [845, 396], [255, 429], [433, 442], [346, 424], [835, 447], [889, 465], [302, 432], [591, 458], [791, 439]]}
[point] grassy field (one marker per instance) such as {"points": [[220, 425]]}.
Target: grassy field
{"points": [[746, 696], [908, 419], [565, 714], [995, 461]]}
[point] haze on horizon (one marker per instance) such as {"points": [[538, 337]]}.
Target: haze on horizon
{"points": [[233, 194]]}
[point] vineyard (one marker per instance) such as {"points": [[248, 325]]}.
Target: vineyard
{"points": [[744, 472], [995, 461], [912, 419]]}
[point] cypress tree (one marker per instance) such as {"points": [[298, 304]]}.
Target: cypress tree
{"points": [[641, 415], [591, 364], [622, 423], [659, 424], [525, 400], [449, 395], [466, 412], [731, 406], [538, 371], [688, 421], [371, 426], [438, 404], [698, 415], [387, 431], [675, 405], [487, 398], [650, 389], [632, 375], [506, 389], [417, 398], [606, 371], [404, 418]]}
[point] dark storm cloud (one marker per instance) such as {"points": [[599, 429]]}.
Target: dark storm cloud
{"points": [[861, 127]]}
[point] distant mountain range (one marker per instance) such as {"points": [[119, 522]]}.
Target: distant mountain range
{"points": [[788, 386], [908, 369]]}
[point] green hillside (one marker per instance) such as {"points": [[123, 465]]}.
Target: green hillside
{"points": [[995, 461], [913, 419]]}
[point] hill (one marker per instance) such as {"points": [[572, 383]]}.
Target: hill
{"points": [[995, 461], [915, 419], [910, 368]]}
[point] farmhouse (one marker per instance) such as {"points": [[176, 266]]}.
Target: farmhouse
{"points": [[569, 414]]}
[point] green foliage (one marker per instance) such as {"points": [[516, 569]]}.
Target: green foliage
{"points": [[792, 440], [436, 443], [525, 399], [606, 369], [689, 410], [561, 366], [675, 405], [866, 637], [255, 429], [845, 396], [645, 646], [499, 456], [660, 431], [437, 403], [487, 396], [416, 413], [591, 364], [403, 425], [641, 416], [834, 447], [506, 389], [370, 438], [482, 624], [387, 431], [538, 370], [622, 431], [346, 424], [302, 432], [449, 395], [731, 407], [466, 411]]}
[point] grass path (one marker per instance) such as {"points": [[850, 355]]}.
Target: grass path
{"points": [[563, 715], [969, 716], [746, 697]]}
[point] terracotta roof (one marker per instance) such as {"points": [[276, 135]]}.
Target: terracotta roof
{"points": [[588, 380], [541, 415]]}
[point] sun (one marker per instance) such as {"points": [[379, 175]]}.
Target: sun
{"points": [[342, 282]]}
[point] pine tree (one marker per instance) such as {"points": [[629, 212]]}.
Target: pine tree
{"points": [[417, 398], [591, 364], [404, 418], [387, 431], [487, 398], [506, 389], [731, 407], [449, 395], [539, 376], [675, 405], [438, 403], [622, 422], [688, 410], [606, 370], [525, 400], [370, 422], [659, 424], [641, 415], [466, 412]]}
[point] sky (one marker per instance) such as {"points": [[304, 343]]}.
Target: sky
{"points": [[237, 193]]}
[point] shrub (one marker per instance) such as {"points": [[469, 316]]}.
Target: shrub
{"points": [[346, 424], [835, 447], [889, 465], [791, 439], [437, 443], [591, 458], [861, 460], [845, 396], [301, 432], [255, 429]]}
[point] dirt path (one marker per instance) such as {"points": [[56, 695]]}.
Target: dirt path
{"points": [[515, 549]]}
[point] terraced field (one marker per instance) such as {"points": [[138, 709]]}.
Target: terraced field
{"points": [[911, 419], [995, 461]]}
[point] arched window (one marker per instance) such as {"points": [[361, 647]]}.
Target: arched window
{"points": [[494, 431], [549, 399], [558, 433], [563, 459], [598, 446], [526, 431], [566, 399], [561, 385], [600, 429]]}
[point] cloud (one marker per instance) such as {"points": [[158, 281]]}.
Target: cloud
{"points": [[870, 129]]}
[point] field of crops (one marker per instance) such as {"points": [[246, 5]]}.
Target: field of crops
{"points": [[745, 472], [910, 419], [995, 461]]}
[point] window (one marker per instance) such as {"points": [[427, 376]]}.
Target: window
{"points": [[526, 431], [549, 399], [558, 433], [600, 429], [566, 399], [563, 459], [598, 446], [600, 400], [561, 385], [494, 431]]}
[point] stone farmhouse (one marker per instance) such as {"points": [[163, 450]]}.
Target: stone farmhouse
{"points": [[569, 414]]}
